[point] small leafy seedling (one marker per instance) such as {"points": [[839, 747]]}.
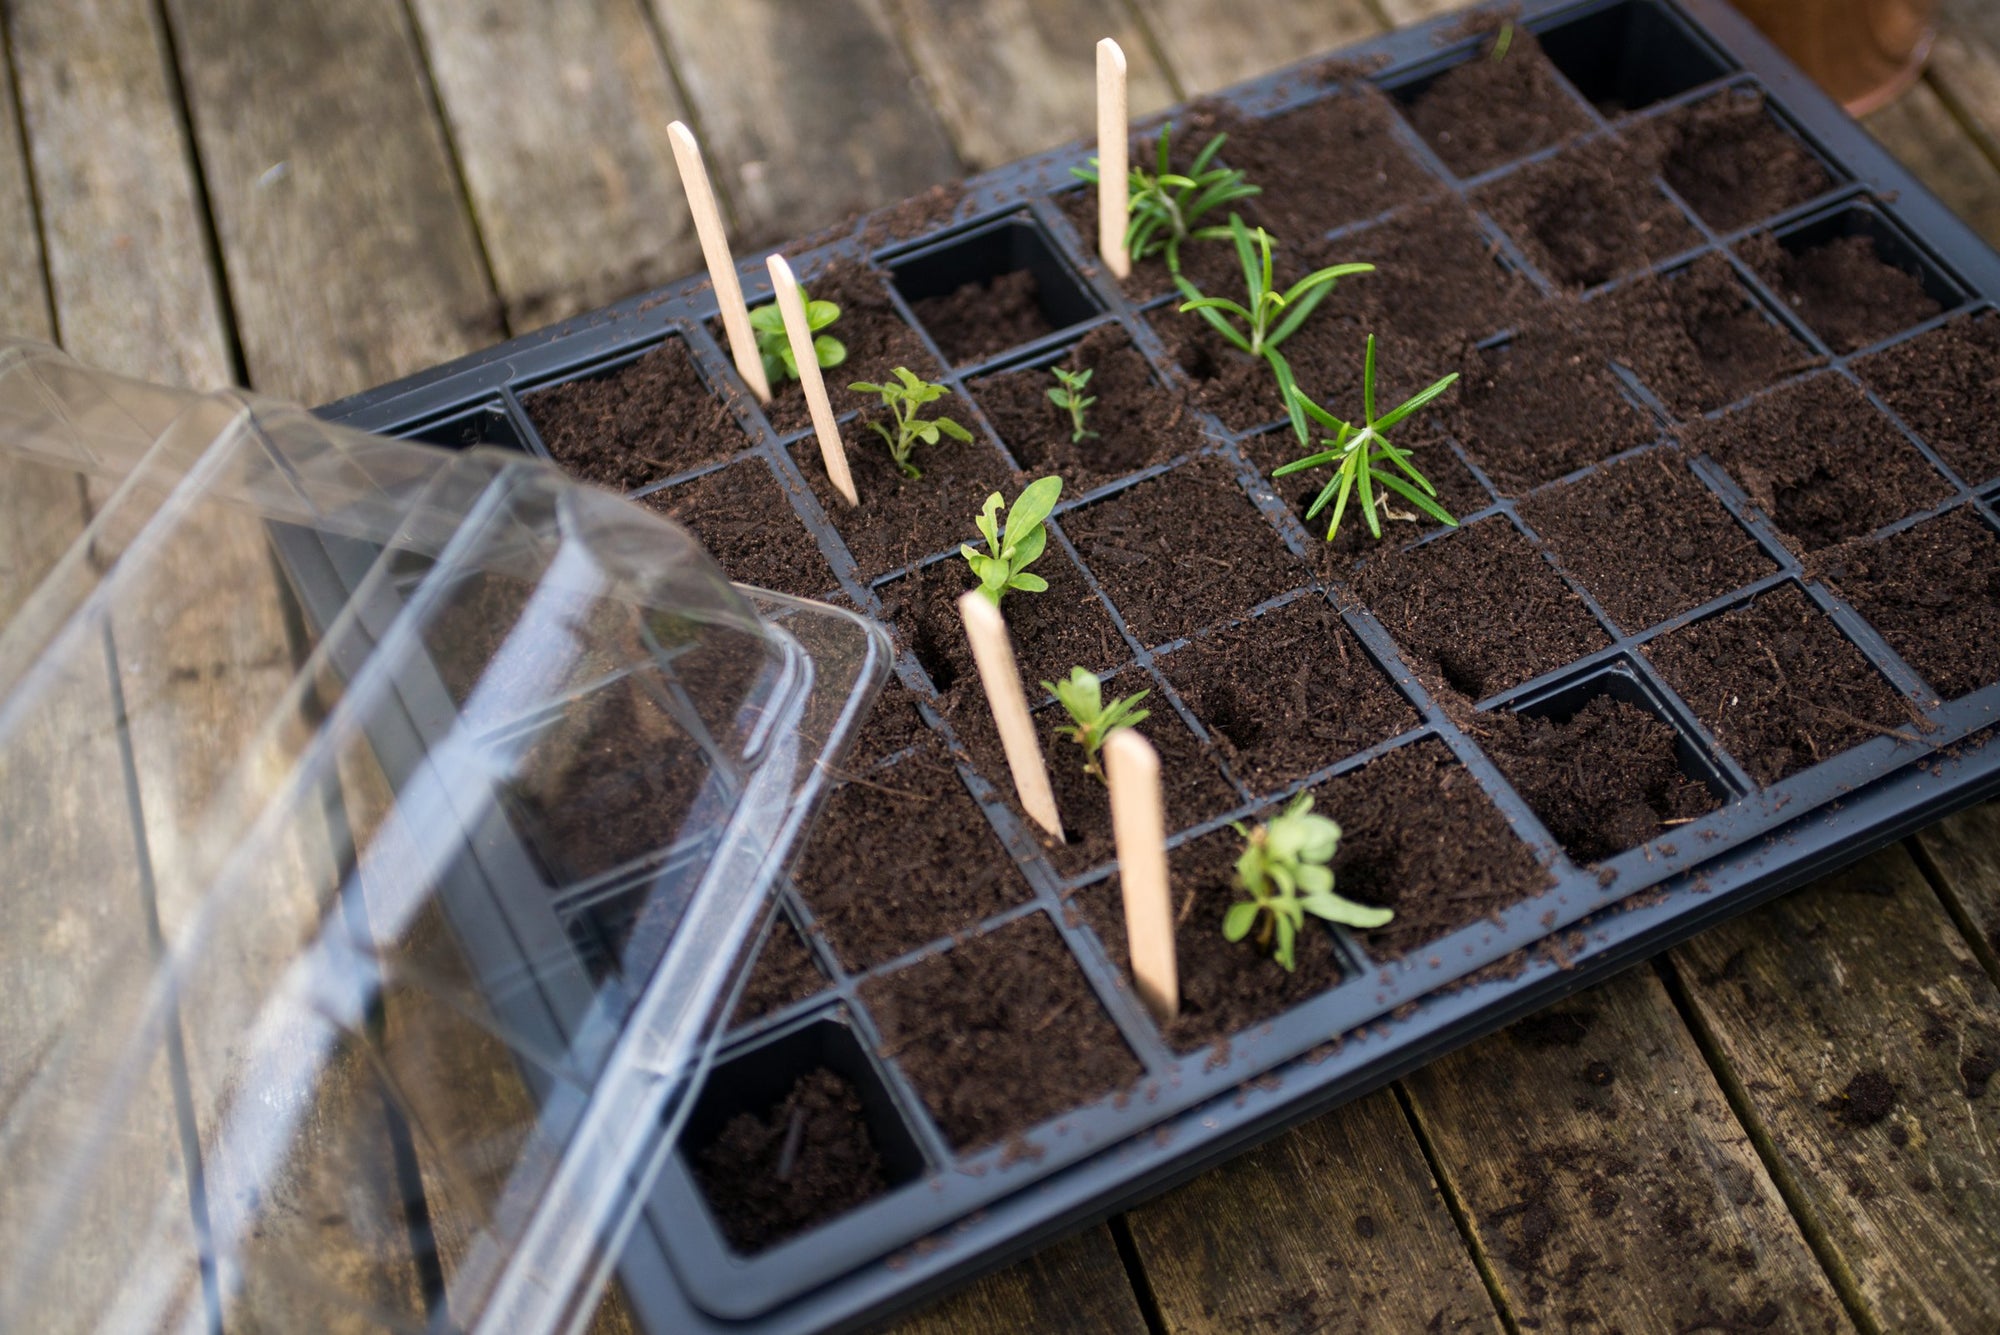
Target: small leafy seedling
{"points": [[1503, 41], [902, 400], [1284, 870], [1356, 452], [1271, 316], [1003, 567], [775, 346], [1163, 209], [1069, 395], [1092, 719]]}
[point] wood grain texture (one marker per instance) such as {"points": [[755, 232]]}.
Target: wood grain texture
{"points": [[803, 123], [1078, 1285], [350, 256], [560, 114], [1402, 13], [1965, 70], [1961, 853], [129, 273], [1921, 131], [1858, 1032], [1335, 1226], [24, 282], [1606, 1179], [1209, 46]]}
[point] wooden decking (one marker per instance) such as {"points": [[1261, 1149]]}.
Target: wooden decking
{"points": [[313, 197]]}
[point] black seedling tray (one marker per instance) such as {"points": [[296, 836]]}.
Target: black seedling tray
{"points": [[949, 1214]]}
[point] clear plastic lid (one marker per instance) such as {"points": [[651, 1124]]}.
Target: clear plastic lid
{"points": [[383, 828]]}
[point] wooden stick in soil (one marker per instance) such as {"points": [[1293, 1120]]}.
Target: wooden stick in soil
{"points": [[793, 307], [1112, 132], [994, 654], [1138, 824], [721, 264]]}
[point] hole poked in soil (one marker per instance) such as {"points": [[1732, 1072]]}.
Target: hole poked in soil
{"points": [[1589, 214], [640, 422], [1287, 693], [1933, 590], [1494, 106], [991, 289], [1646, 538], [1627, 56], [1778, 684], [1819, 459], [793, 1132], [1731, 160], [1946, 385], [1183, 550], [743, 516], [784, 973], [1478, 611], [1000, 1033], [1698, 338], [488, 424], [1851, 277], [1325, 165], [1458, 491]]}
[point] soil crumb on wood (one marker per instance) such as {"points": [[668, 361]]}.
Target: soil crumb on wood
{"points": [[1589, 214], [1842, 288], [1946, 385], [1697, 338], [1934, 593], [807, 1159], [984, 317], [1487, 111], [1732, 162], [638, 424], [743, 517], [1867, 1099]]}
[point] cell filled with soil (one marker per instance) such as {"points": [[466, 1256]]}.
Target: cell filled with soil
{"points": [[1731, 160], [784, 974], [1325, 165], [1646, 538], [1438, 278], [745, 519], [1589, 214], [1499, 104], [1849, 277], [1479, 611], [1933, 590], [877, 340], [1458, 491], [1698, 338], [992, 289], [1778, 684], [1946, 384], [1000, 1033], [648, 419], [893, 725], [1625, 57], [1819, 459]]}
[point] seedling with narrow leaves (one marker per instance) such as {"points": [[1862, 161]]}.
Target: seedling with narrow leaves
{"points": [[1003, 567], [1163, 209], [1069, 396], [903, 399], [1357, 453], [767, 323], [1091, 719], [1283, 869]]}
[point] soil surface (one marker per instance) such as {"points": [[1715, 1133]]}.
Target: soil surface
{"points": [[1012, 1001], [743, 516], [877, 342], [1589, 214], [1697, 338], [644, 421], [472, 623], [1732, 162], [1946, 385], [1329, 163], [1438, 280], [784, 973], [1842, 288], [1934, 592], [1778, 684], [1646, 538], [1489, 111], [893, 725], [984, 317], [809, 1158]]}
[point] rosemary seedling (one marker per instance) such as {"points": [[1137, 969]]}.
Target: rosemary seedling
{"points": [[903, 399], [1357, 453], [1163, 209], [1283, 870], [1092, 719], [1003, 567], [767, 323], [1271, 316], [1069, 395]]}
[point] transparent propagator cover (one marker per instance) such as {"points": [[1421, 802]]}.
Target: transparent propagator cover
{"points": [[383, 829]]}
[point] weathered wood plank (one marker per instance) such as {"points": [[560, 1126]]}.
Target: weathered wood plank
{"points": [[1607, 1180], [559, 114], [1858, 1033], [350, 256], [1335, 1226], [1921, 131], [1077, 1285], [1962, 855], [24, 284], [1402, 13], [129, 272], [1965, 70], [1209, 46], [803, 123]]}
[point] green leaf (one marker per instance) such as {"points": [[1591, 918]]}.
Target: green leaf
{"points": [[820, 314], [1024, 546], [1333, 908], [1027, 581], [866, 387], [987, 523], [953, 429], [1415, 403], [1340, 504], [1237, 922], [829, 351], [1310, 461], [768, 319], [1368, 383], [1201, 159], [1035, 502], [1416, 498], [1287, 933], [1402, 461]]}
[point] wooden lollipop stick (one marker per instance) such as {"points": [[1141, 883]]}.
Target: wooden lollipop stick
{"points": [[1112, 131], [831, 451], [721, 265], [1138, 824], [994, 654]]}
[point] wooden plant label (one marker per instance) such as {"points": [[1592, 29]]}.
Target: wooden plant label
{"points": [[1112, 134], [793, 307], [721, 265], [994, 654], [1138, 824]]}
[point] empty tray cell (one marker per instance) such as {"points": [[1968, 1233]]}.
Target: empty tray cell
{"points": [[783, 975], [1602, 764], [876, 338], [488, 424], [1852, 276], [1183, 550], [504, 647], [991, 289], [1946, 385], [1437, 279], [743, 516], [1589, 214], [1000, 1033], [1503, 101], [638, 422], [1933, 590], [1732, 161], [795, 1131], [903, 859], [1326, 164], [1698, 338], [1458, 491], [1646, 538], [1778, 684], [1627, 56], [1478, 611], [1287, 693], [1821, 461]]}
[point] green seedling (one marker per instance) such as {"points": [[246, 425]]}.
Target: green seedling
{"points": [[1003, 567], [902, 400], [1284, 870], [1357, 453], [767, 323], [1503, 41], [1093, 720], [1069, 395], [1163, 209], [1271, 316]]}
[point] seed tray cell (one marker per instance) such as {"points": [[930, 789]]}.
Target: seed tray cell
{"points": [[1679, 335]]}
